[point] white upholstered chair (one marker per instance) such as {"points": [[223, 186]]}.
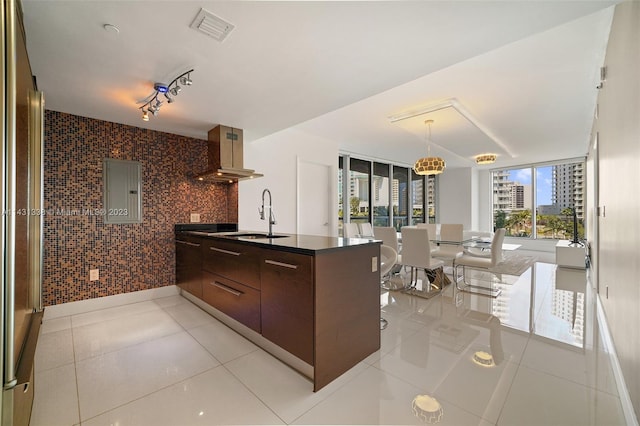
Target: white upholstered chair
{"points": [[350, 230], [389, 237], [366, 230], [449, 252], [416, 254], [388, 257], [433, 232], [481, 263]]}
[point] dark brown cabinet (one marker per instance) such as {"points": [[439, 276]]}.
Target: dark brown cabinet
{"points": [[319, 304], [189, 264], [240, 302], [287, 302], [237, 262]]}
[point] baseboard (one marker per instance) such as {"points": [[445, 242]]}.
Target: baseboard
{"points": [[623, 393], [82, 306]]}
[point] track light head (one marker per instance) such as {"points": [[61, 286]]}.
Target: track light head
{"points": [[186, 80], [169, 98], [174, 91], [145, 115]]}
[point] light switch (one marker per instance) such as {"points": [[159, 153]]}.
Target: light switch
{"points": [[94, 274], [195, 217], [374, 264]]}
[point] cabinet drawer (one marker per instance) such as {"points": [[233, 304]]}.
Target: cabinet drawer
{"points": [[237, 262], [287, 302], [240, 302]]}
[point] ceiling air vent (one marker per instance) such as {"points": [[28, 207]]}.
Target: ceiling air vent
{"points": [[212, 25]]}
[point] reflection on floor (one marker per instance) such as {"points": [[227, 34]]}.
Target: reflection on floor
{"points": [[531, 356]]}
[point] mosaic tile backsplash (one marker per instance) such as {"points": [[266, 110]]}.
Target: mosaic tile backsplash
{"points": [[130, 257]]}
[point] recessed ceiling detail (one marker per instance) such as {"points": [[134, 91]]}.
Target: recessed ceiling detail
{"points": [[213, 26], [457, 115]]}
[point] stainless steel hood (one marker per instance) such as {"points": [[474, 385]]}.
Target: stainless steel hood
{"points": [[225, 155]]}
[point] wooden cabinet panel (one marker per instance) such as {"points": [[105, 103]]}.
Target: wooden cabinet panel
{"points": [[287, 302], [240, 302], [189, 264], [237, 262]]}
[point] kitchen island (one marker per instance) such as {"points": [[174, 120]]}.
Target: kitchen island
{"points": [[311, 301]]}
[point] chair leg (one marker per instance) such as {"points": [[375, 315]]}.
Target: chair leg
{"points": [[383, 323], [468, 288], [429, 290]]}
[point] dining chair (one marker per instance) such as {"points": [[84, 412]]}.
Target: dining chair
{"points": [[416, 254], [449, 252], [433, 233], [388, 258], [366, 230], [389, 237], [350, 230], [481, 263]]}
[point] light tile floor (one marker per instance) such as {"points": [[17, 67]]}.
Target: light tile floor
{"points": [[166, 362]]}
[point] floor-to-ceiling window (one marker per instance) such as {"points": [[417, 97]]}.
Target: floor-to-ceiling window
{"points": [[384, 194], [380, 194], [359, 200], [400, 197], [556, 190], [417, 198]]}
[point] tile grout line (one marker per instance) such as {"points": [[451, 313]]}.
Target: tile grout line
{"points": [[153, 392]]}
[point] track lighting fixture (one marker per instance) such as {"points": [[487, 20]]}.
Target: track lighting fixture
{"points": [[170, 91]]}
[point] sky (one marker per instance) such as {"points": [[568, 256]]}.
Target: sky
{"points": [[543, 182]]}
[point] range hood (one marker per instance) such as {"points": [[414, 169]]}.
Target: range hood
{"points": [[225, 155]]}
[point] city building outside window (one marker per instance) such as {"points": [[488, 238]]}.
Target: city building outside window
{"points": [[384, 194], [556, 190]]}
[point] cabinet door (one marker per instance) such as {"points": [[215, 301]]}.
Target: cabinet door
{"points": [[287, 302], [240, 302], [234, 261], [189, 264]]}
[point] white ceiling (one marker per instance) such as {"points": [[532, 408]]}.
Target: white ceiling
{"points": [[516, 78]]}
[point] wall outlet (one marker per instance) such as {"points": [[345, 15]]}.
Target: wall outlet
{"points": [[195, 217], [374, 264], [94, 274]]}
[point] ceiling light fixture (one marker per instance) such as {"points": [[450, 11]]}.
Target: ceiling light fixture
{"points": [[429, 165], [170, 91], [486, 158]]}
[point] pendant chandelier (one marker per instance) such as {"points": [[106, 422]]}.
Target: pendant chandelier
{"points": [[429, 165]]}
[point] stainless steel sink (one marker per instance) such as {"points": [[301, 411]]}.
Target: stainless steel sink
{"points": [[253, 235]]}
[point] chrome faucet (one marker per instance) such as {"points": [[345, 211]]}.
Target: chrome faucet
{"points": [[272, 217]]}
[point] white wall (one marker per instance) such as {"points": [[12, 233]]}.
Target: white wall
{"points": [[484, 191], [456, 197], [276, 156], [618, 129]]}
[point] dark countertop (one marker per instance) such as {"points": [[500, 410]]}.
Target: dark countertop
{"points": [[295, 243]]}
